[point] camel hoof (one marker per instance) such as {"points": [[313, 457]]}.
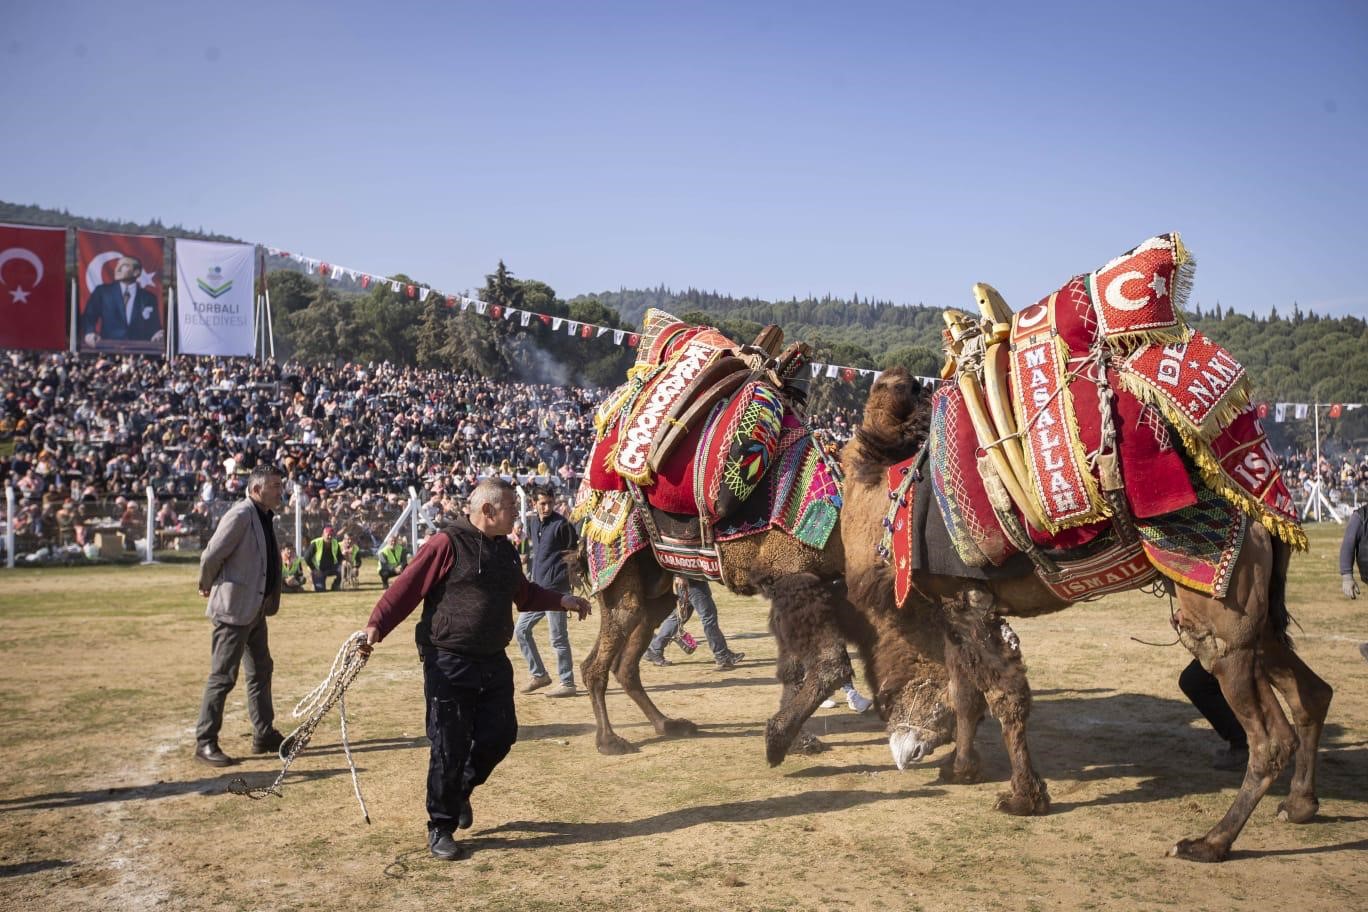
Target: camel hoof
{"points": [[1298, 810], [955, 775], [678, 728], [1198, 850], [777, 743], [1023, 805], [615, 746]]}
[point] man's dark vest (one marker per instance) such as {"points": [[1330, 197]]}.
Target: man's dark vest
{"points": [[471, 611]]}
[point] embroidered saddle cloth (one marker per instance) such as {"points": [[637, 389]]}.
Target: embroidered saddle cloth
{"points": [[1103, 373]]}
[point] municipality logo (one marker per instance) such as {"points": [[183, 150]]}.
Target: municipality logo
{"points": [[213, 283]]}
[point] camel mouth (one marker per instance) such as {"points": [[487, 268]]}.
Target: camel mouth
{"points": [[908, 746]]}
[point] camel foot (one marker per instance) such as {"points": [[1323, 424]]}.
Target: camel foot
{"points": [[1199, 850], [1298, 809], [615, 746], [677, 728], [957, 774], [1023, 805], [777, 742]]}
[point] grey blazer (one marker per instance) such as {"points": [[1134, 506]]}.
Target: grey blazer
{"points": [[233, 568]]}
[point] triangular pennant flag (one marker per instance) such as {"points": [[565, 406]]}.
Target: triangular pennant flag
{"points": [[601, 331], [816, 367], [465, 302], [1301, 411], [617, 336], [1280, 412], [423, 293], [526, 317], [396, 287], [510, 312], [571, 327], [556, 323], [480, 307]]}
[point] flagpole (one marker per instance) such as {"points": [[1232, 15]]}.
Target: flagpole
{"points": [[75, 316]]}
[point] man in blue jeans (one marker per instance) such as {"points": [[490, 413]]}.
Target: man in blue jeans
{"points": [[697, 595], [549, 537]]}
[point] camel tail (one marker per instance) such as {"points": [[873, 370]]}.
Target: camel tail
{"points": [[1279, 618]]}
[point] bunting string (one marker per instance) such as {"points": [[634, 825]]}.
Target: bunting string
{"points": [[415, 291]]}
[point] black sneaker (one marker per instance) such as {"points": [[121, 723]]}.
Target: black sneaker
{"points": [[1232, 758], [729, 660], [465, 816], [442, 846], [656, 658], [268, 743]]}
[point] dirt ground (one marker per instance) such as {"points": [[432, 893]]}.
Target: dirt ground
{"points": [[102, 806]]}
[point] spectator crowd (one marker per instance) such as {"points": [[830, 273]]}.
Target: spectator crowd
{"points": [[83, 438]]}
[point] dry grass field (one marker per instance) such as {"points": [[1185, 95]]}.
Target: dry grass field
{"points": [[102, 806]]}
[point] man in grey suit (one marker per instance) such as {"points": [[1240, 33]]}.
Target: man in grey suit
{"points": [[240, 575]]}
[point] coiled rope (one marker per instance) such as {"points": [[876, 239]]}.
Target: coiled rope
{"points": [[332, 691]]}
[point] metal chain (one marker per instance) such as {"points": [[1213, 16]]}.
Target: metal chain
{"points": [[347, 664]]}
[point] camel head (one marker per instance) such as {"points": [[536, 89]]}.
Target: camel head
{"points": [[915, 704], [896, 421]]}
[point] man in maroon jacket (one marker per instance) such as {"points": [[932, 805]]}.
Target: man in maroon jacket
{"points": [[467, 578]]}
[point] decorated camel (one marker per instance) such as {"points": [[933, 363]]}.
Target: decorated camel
{"points": [[703, 466], [1089, 444]]}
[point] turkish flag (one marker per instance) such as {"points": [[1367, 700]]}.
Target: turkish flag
{"points": [[365, 281], [1262, 410], [586, 331], [410, 291], [121, 305], [545, 318], [633, 340], [33, 287], [450, 301], [848, 374], [496, 311], [324, 269], [1336, 410]]}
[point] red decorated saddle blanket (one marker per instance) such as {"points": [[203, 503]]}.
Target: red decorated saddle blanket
{"points": [[1104, 369]]}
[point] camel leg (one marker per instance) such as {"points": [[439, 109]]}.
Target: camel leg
{"points": [[1308, 697], [623, 610], [1272, 742], [969, 706], [990, 656], [628, 669], [1224, 636], [812, 656], [616, 622]]}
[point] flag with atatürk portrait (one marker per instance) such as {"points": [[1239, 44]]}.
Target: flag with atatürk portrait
{"points": [[120, 302], [33, 287]]}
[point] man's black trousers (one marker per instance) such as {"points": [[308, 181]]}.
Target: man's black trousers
{"points": [[471, 725], [1201, 687]]}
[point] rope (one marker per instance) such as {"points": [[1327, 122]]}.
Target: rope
{"points": [[332, 690]]}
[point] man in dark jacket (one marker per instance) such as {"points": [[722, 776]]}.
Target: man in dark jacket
{"points": [[1354, 550], [468, 578], [549, 536]]}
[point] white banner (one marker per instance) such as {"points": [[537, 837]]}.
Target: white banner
{"points": [[214, 298]]}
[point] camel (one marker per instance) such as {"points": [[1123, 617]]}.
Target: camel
{"points": [[944, 656]]}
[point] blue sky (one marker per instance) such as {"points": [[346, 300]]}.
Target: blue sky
{"points": [[899, 151]]}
